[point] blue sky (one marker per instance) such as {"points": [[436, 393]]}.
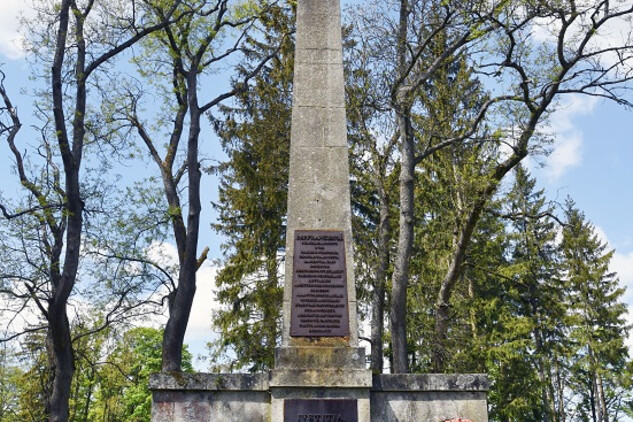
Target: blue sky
{"points": [[592, 162]]}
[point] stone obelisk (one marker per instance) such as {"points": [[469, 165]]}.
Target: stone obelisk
{"points": [[319, 365], [318, 189]]}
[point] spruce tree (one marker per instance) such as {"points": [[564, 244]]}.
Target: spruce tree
{"points": [[533, 293], [596, 315], [255, 134]]}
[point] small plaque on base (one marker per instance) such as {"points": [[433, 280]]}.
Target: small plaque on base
{"points": [[321, 410]]}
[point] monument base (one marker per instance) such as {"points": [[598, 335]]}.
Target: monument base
{"points": [[181, 397]]}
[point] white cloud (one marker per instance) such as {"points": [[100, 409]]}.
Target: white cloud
{"points": [[545, 30], [602, 235], [629, 342], [568, 140], [10, 38], [575, 106], [204, 303], [163, 253], [617, 31], [623, 265], [199, 331], [566, 155]]}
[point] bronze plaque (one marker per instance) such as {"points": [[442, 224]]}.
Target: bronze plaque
{"points": [[321, 410], [319, 285]]}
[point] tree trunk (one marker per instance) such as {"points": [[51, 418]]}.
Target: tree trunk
{"points": [[181, 299], [544, 375], [560, 393], [400, 279], [60, 355], [179, 310], [442, 304], [378, 297], [546, 398], [473, 311], [598, 402], [604, 415]]}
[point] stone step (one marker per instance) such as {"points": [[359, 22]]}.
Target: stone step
{"points": [[320, 358], [321, 378]]}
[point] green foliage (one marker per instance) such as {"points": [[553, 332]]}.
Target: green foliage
{"points": [[530, 296], [252, 204], [31, 385], [110, 384], [123, 393], [599, 362], [543, 319], [11, 375]]}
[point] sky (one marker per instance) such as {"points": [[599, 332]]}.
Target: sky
{"points": [[592, 161]]}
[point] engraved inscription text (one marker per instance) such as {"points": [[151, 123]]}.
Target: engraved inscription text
{"points": [[320, 410], [319, 285]]}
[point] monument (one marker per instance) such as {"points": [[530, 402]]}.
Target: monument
{"points": [[319, 365], [320, 372]]}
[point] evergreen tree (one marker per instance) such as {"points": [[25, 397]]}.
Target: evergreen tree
{"points": [[530, 328], [446, 189], [252, 204], [597, 324]]}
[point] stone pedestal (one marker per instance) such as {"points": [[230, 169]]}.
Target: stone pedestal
{"points": [[321, 373], [180, 397], [429, 397], [260, 397]]}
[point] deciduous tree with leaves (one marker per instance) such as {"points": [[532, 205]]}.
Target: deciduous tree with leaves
{"points": [[209, 35], [497, 41], [72, 44]]}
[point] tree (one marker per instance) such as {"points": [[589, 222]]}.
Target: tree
{"points": [[179, 56], [77, 40], [10, 374], [496, 42], [111, 381], [255, 134], [535, 266], [373, 171], [527, 337], [123, 387], [597, 319]]}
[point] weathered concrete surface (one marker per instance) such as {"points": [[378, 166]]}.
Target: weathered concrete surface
{"points": [[428, 406], [320, 373], [208, 382], [320, 357], [210, 406], [385, 398], [322, 378], [201, 397], [318, 187], [429, 397], [431, 382]]}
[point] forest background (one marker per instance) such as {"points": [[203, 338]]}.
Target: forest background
{"points": [[589, 162]]}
